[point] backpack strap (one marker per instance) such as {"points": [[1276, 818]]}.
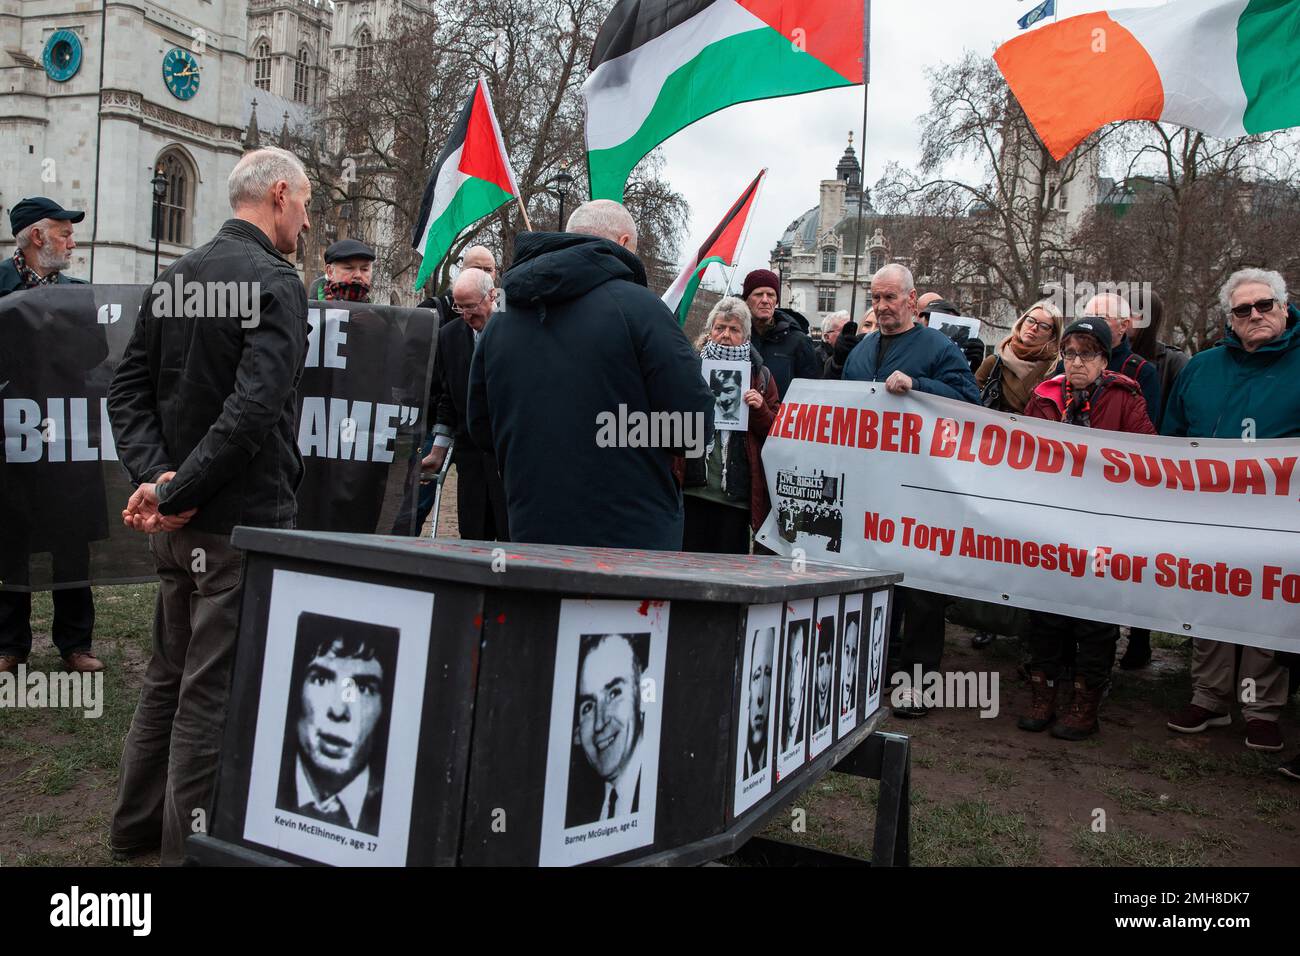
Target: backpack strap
{"points": [[1136, 370]]}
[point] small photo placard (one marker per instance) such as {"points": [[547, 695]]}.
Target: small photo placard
{"points": [[755, 717], [846, 696], [796, 646], [821, 702], [728, 381], [875, 669], [602, 759], [338, 720]]}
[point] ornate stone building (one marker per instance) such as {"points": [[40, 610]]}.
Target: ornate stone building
{"points": [[95, 98], [816, 254]]}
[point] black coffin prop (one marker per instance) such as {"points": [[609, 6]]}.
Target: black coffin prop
{"points": [[417, 702]]}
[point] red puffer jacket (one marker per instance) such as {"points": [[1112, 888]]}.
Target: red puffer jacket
{"points": [[1118, 405]]}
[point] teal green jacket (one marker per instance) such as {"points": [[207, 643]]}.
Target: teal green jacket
{"points": [[1224, 388], [10, 282]]}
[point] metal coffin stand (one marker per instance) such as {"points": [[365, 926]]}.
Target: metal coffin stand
{"points": [[484, 720]]}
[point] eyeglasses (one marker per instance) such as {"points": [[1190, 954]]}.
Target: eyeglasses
{"points": [[1073, 356], [462, 309], [1041, 326], [1263, 306]]}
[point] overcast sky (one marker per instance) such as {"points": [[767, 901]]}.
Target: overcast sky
{"points": [[800, 138]]}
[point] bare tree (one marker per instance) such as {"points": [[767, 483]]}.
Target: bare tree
{"points": [[384, 126], [1005, 227], [1190, 210]]}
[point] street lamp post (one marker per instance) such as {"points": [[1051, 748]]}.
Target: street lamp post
{"points": [[560, 184], [159, 190]]}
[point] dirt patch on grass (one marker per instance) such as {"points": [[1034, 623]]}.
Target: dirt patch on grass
{"points": [[986, 793]]}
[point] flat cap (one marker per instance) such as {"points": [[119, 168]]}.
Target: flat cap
{"points": [[348, 249]]}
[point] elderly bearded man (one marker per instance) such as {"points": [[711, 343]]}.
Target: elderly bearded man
{"points": [[44, 234]]}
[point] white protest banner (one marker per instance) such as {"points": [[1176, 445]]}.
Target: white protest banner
{"points": [[1186, 535]]}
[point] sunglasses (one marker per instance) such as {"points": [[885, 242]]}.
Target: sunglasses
{"points": [[1263, 306]]}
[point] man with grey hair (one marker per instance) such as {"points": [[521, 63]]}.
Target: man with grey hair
{"points": [[907, 356], [1246, 389], [1118, 314], [475, 257], [582, 340], [832, 325], [43, 231], [606, 219], [205, 419], [480, 496]]}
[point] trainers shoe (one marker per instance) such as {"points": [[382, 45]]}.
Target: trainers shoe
{"points": [[1291, 769], [982, 639], [911, 706], [10, 662], [1263, 734], [1193, 719], [84, 662]]}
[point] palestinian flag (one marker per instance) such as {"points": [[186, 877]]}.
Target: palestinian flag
{"points": [[1224, 67], [721, 247], [659, 65], [471, 179]]}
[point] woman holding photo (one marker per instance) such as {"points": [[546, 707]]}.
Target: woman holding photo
{"points": [[726, 490]]}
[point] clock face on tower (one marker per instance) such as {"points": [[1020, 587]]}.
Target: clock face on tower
{"points": [[62, 56], [180, 71]]}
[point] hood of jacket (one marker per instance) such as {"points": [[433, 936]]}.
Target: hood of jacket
{"points": [[782, 324], [553, 267], [1289, 339], [1053, 389]]}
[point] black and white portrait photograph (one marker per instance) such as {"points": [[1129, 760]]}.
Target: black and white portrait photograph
{"points": [[602, 765], [959, 328], [336, 730], [758, 680], [338, 720], [793, 697], [728, 381], [822, 698], [846, 695], [876, 652]]}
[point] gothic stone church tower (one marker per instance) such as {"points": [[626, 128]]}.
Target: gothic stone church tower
{"points": [[95, 98]]}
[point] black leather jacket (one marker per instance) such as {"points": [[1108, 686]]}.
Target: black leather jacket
{"points": [[212, 397]]}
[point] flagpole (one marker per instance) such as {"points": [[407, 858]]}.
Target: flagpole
{"points": [[862, 186], [744, 236], [524, 212]]}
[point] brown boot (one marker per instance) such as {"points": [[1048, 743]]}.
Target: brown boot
{"points": [[1080, 720], [1042, 706], [9, 663]]}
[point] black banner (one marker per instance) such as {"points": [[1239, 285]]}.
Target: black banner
{"points": [[361, 406]]}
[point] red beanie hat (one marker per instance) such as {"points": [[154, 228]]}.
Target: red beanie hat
{"points": [[761, 279]]}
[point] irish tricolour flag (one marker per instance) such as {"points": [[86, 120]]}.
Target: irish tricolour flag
{"points": [[471, 179], [660, 65], [1224, 67], [721, 247]]}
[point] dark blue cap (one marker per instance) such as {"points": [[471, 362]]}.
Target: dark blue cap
{"points": [[33, 210]]}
